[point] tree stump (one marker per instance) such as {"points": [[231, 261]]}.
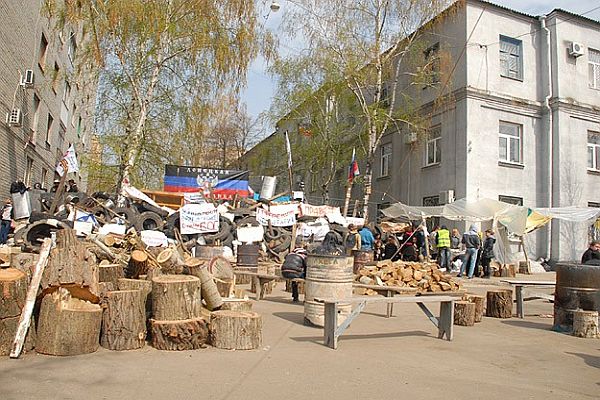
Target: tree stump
{"points": [[585, 324], [176, 297], [464, 313], [105, 287], [170, 261], [239, 330], [225, 287], [478, 301], [499, 303], [187, 334], [138, 264], [110, 273], [8, 330], [210, 292], [124, 320], [73, 266], [24, 262], [68, 326], [13, 284], [237, 304], [138, 284]]}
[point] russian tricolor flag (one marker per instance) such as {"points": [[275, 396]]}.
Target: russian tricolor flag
{"points": [[353, 169]]}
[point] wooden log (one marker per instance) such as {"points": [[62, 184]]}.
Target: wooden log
{"points": [[239, 330], [71, 264], [68, 326], [170, 261], [24, 262], [499, 303], [187, 334], [210, 292], [8, 330], [138, 284], [123, 320], [138, 264], [106, 287], [585, 324], [478, 301], [13, 285], [237, 304], [176, 297], [225, 287], [464, 313], [110, 273]]}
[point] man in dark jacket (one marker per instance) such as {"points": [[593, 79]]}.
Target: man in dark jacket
{"points": [[472, 243], [592, 254], [294, 266], [487, 253]]}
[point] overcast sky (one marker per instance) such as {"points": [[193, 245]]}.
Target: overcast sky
{"points": [[261, 87]]}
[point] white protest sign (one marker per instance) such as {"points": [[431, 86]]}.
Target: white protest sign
{"points": [[154, 238], [250, 234], [283, 208], [286, 218], [198, 218], [317, 211], [193, 198], [317, 229]]}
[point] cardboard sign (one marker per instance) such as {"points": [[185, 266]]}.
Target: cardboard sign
{"points": [[317, 211], [286, 218], [154, 238], [317, 230], [198, 218], [250, 234]]}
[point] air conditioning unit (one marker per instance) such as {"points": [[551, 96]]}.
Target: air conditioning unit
{"points": [[27, 79], [14, 118], [576, 49], [410, 137], [447, 196]]}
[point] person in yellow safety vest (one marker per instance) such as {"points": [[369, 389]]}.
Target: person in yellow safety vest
{"points": [[443, 246]]}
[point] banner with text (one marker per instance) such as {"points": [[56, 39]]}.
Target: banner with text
{"points": [[283, 218], [308, 210], [198, 218]]}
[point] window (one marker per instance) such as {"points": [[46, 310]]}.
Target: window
{"points": [[44, 177], [55, 74], [385, 96], [386, 158], [432, 64], [49, 128], [28, 171], [433, 148], [511, 136], [72, 51], [66, 95], [517, 201], [594, 68], [43, 51], [431, 201], [511, 58], [593, 151], [36, 117]]}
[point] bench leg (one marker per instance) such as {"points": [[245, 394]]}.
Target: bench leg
{"points": [[390, 306], [257, 287], [446, 320], [519, 298], [330, 325]]}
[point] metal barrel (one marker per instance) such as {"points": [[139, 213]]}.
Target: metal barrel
{"points": [[267, 189], [577, 288], [362, 258], [206, 252], [247, 260], [327, 277]]}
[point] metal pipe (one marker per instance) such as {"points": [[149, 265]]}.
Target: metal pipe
{"points": [[550, 131]]}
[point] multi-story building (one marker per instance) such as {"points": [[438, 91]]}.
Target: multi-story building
{"points": [[47, 101], [520, 121]]}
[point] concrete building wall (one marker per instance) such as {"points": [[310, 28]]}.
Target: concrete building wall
{"points": [[31, 152]]}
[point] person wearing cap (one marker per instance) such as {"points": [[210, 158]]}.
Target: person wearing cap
{"points": [[6, 221], [55, 185], [72, 186], [294, 267]]}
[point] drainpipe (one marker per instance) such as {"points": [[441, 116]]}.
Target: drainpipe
{"points": [[550, 131]]}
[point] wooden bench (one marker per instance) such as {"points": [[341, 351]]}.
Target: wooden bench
{"points": [[387, 291], [520, 284], [332, 331]]}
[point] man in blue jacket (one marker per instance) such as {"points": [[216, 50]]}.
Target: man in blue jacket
{"points": [[367, 240]]}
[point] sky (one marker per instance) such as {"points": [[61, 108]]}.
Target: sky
{"points": [[261, 86]]}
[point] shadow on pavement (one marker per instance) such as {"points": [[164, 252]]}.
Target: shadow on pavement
{"points": [[319, 339], [294, 317], [529, 324], [592, 361]]}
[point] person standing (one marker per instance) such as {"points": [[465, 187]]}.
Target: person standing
{"points": [[352, 241], [443, 247], [472, 243], [420, 240], [455, 239], [592, 254], [294, 267], [378, 248], [6, 221], [367, 240], [487, 253], [390, 251]]}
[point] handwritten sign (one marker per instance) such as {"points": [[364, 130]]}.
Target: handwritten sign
{"points": [[317, 211], [198, 218], [285, 218]]}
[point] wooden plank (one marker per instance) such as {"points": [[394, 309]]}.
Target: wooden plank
{"points": [[529, 283], [25, 318], [519, 299], [378, 288], [396, 299], [344, 325], [446, 321], [330, 325], [431, 317]]}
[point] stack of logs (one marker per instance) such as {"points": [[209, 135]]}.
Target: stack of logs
{"points": [[425, 277], [469, 310]]}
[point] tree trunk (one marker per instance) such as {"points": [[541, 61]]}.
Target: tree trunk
{"points": [[478, 301], [68, 326], [138, 284], [110, 273], [8, 331], [24, 262], [237, 305], [499, 303], [14, 292], [170, 261], [138, 264], [187, 334], [210, 292], [585, 324], [464, 313], [73, 266], [124, 320], [225, 287], [176, 297], [239, 330], [106, 287]]}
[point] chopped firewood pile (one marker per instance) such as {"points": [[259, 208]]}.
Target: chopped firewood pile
{"points": [[424, 276]]}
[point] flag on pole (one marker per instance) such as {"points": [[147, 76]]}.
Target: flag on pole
{"points": [[68, 163], [353, 169], [288, 148]]}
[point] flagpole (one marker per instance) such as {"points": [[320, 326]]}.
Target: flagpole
{"points": [[350, 183], [289, 153]]}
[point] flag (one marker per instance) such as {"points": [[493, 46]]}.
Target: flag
{"points": [[222, 183], [288, 148], [353, 169], [68, 163]]}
